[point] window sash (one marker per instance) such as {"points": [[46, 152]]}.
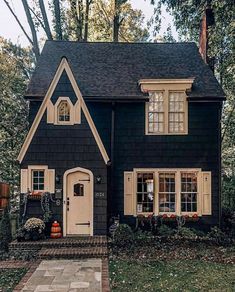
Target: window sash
{"points": [[63, 111], [38, 180], [169, 199], [166, 113]]}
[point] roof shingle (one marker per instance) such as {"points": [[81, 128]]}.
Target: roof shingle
{"points": [[114, 69]]}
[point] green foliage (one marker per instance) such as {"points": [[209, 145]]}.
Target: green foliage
{"points": [[218, 235], [15, 69], [165, 230], [186, 232], [143, 238], [5, 231], [228, 221], [101, 22], [123, 236], [9, 278]]}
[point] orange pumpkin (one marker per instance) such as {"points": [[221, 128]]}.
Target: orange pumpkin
{"points": [[56, 230]]}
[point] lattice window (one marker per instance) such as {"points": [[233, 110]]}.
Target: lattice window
{"points": [[38, 180], [188, 192], [176, 112], [156, 112], [167, 193], [145, 192], [64, 112]]}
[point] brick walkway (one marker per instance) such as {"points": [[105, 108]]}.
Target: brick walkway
{"points": [[14, 264]]}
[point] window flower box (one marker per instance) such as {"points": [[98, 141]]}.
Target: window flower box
{"points": [[35, 196], [192, 218]]}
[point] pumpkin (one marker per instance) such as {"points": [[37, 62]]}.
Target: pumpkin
{"points": [[56, 230]]}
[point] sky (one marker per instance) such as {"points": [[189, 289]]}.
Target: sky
{"points": [[10, 30]]}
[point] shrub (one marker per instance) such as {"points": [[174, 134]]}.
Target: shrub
{"points": [[165, 230], [5, 231], [186, 232], [143, 237], [228, 221], [123, 236], [33, 229], [218, 235], [198, 233]]}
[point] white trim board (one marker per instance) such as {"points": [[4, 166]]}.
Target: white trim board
{"points": [[63, 66]]}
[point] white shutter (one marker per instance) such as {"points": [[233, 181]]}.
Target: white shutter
{"points": [[77, 113], [128, 193], [50, 113], [206, 192], [51, 181], [24, 185]]}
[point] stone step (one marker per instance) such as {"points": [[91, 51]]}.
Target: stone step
{"points": [[73, 242], [73, 253]]}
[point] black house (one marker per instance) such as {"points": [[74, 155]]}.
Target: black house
{"points": [[122, 129]]}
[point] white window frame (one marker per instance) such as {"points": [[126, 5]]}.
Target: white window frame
{"points": [[33, 168], [177, 172], [71, 111], [166, 131]]}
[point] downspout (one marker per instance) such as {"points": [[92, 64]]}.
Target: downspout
{"points": [[220, 164], [111, 167]]}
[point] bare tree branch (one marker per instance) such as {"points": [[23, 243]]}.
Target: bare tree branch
{"points": [[45, 19], [18, 21], [32, 28]]}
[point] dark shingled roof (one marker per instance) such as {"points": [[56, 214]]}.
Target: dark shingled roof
{"points": [[112, 70]]}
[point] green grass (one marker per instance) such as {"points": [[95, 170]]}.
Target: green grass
{"points": [[9, 278], [175, 275]]}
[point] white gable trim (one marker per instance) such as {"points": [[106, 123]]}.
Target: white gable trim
{"points": [[63, 66]]}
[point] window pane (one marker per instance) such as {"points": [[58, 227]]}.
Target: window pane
{"points": [[145, 192], [176, 112], [167, 192], [156, 112], [63, 111], [38, 180], [189, 192]]}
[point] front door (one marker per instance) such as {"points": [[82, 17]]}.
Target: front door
{"points": [[79, 203]]}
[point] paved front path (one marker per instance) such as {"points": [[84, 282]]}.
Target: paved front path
{"points": [[66, 276]]}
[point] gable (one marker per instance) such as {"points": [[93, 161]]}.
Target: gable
{"points": [[50, 98]]}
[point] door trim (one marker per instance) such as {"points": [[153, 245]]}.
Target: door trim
{"points": [[67, 172]]}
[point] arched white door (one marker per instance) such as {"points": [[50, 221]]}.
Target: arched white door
{"points": [[78, 200]]}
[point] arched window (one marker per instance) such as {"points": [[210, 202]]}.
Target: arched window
{"points": [[63, 111]]}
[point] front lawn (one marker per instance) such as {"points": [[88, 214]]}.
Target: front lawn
{"points": [[176, 275], [9, 278]]}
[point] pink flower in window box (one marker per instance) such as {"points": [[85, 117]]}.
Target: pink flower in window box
{"points": [[164, 216], [195, 217], [173, 216]]}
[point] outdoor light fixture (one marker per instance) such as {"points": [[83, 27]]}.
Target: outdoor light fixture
{"points": [[57, 179], [98, 179]]}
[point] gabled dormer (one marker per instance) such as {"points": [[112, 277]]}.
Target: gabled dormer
{"points": [[166, 112]]}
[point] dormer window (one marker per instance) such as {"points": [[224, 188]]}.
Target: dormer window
{"points": [[167, 108], [63, 111]]}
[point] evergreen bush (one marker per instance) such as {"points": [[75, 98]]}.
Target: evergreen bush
{"points": [[5, 231], [123, 236]]}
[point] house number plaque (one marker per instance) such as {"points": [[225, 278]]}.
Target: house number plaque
{"points": [[99, 195]]}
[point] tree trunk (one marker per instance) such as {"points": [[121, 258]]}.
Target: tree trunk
{"points": [[74, 19], [45, 20], [116, 21], [80, 19], [88, 3], [32, 28], [58, 28]]}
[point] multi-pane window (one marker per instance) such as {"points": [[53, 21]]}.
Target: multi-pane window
{"points": [[38, 180], [166, 112], [167, 194], [176, 112], [156, 112], [188, 192], [63, 112], [145, 192]]}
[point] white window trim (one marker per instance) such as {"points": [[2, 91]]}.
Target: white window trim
{"points": [[156, 172], [32, 168], [166, 114], [71, 111]]}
